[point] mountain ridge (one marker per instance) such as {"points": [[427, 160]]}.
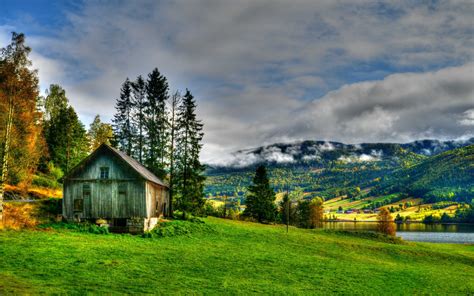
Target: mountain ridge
{"points": [[317, 151]]}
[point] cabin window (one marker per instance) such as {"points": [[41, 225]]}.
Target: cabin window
{"points": [[104, 172], [122, 189], [78, 204]]}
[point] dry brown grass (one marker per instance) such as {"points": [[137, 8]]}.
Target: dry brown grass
{"points": [[33, 192], [46, 192], [18, 216]]}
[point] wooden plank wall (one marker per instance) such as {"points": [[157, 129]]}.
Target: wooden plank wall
{"points": [[156, 196], [105, 201]]}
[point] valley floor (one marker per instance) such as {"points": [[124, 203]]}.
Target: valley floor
{"points": [[231, 258]]}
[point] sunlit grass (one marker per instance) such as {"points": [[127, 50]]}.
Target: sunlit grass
{"points": [[234, 258]]}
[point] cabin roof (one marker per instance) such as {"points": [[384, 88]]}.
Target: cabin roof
{"points": [[133, 163]]}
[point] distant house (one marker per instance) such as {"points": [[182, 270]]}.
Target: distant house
{"points": [[110, 185]]}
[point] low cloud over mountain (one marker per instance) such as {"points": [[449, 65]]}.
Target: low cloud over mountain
{"points": [[324, 152]]}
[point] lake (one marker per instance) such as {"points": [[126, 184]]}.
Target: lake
{"points": [[437, 233]]}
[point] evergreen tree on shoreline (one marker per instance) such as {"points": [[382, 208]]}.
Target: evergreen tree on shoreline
{"points": [[261, 197]]}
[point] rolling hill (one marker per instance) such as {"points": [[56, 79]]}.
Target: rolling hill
{"points": [[431, 169], [446, 176]]}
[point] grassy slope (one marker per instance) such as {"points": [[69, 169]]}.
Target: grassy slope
{"points": [[449, 170], [238, 257], [416, 212]]}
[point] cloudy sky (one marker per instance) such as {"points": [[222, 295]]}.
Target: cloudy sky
{"points": [[267, 71]]}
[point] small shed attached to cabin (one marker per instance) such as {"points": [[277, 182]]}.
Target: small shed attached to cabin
{"points": [[110, 185]]}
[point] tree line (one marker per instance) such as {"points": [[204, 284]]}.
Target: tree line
{"points": [[293, 209], [40, 135], [162, 131]]}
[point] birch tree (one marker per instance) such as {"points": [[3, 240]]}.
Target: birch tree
{"points": [[20, 123]]}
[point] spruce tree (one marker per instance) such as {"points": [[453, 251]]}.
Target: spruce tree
{"points": [[122, 123], [261, 197], [139, 106], [175, 102], [188, 178], [156, 123]]}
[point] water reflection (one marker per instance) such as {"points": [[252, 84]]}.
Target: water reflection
{"points": [[442, 233]]}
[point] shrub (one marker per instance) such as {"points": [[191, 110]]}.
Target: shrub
{"points": [[44, 181], [77, 227], [51, 207], [385, 223], [55, 171], [430, 219], [178, 228], [445, 218]]}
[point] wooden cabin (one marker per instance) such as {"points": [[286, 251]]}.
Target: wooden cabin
{"points": [[111, 186]]}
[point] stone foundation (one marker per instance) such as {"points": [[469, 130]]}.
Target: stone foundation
{"points": [[136, 225], [140, 225]]}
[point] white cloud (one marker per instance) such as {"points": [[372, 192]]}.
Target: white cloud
{"points": [[373, 156], [263, 71], [467, 118], [274, 154], [326, 147], [401, 107]]}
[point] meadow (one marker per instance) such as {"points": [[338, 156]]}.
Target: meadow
{"points": [[415, 212], [231, 257]]}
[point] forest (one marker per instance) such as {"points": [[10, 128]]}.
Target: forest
{"points": [[42, 137]]}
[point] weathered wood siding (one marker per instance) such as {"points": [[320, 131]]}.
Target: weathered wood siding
{"points": [[104, 200], [157, 200]]}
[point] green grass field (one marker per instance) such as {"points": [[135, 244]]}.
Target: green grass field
{"points": [[416, 212], [231, 258]]}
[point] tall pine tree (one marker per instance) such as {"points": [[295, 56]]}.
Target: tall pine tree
{"points": [[124, 128], [156, 123], [140, 105], [165, 142], [189, 180], [260, 201], [175, 102]]}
